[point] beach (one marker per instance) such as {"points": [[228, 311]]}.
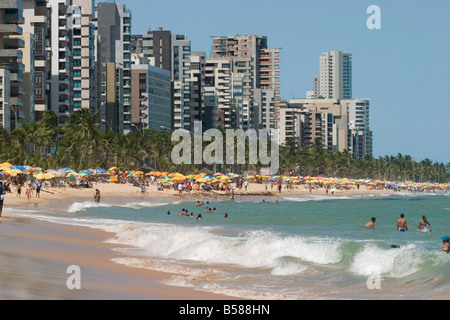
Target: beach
{"points": [[36, 253]]}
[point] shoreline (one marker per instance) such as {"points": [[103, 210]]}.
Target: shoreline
{"points": [[36, 254], [33, 247]]}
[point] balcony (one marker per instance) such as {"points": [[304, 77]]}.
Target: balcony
{"points": [[16, 101], [14, 18], [10, 29], [17, 91], [13, 43], [10, 53]]}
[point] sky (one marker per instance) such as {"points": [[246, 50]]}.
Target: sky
{"points": [[403, 68]]}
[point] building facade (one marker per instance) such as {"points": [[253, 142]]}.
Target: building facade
{"points": [[113, 31], [11, 62], [335, 79]]}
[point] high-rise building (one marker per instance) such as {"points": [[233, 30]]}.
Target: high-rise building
{"points": [[218, 81], [113, 30], [335, 79], [339, 124], [60, 93], [84, 55], [37, 15], [151, 97], [11, 66], [181, 52], [360, 135], [258, 64]]}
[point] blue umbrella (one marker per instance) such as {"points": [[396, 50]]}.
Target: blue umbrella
{"points": [[66, 169], [100, 171], [18, 168], [207, 177]]}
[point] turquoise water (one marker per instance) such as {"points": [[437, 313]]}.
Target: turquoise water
{"points": [[303, 247]]}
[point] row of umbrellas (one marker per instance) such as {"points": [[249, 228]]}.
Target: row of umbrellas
{"points": [[345, 181], [8, 169]]}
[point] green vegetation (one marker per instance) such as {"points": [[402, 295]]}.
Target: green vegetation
{"points": [[84, 145]]}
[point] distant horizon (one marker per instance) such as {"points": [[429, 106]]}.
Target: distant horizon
{"points": [[385, 68]]}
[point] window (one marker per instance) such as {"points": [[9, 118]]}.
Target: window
{"points": [[77, 94], [77, 84], [77, 52]]}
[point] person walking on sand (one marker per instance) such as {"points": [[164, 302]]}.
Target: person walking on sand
{"points": [[401, 223], [19, 191], [423, 224], [2, 196], [371, 223], [38, 189]]}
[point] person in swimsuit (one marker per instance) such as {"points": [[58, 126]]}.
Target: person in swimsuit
{"points": [[423, 223], [371, 223], [445, 241], [401, 223]]}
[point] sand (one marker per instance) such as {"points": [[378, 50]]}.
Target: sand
{"points": [[35, 254]]}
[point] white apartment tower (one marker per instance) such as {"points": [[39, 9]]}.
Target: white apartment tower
{"points": [[335, 79], [60, 98], [84, 59]]}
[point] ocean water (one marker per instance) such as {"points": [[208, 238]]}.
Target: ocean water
{"points": [[313, 247]]}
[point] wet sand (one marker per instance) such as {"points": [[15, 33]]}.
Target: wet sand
{"points": [[35, 256]]}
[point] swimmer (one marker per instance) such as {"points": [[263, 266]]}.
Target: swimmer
{"points": [[401, 223], [371, 223], [199, 217], [445, 241], [423, 223], [213, 210], [225, 215]]}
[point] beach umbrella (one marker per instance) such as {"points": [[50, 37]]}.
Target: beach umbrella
{"points": [[88, 172], [99, 171], [21, 168], [71, 174]]}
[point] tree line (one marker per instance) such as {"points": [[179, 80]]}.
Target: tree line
{"points": [[80, 144]]}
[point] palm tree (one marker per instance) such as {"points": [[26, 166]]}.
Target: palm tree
{"points": [[81, 136]]}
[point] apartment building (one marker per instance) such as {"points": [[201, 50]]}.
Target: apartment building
{"points": [[151, 97], [37, 22], [360, 136], [218, 80], [85, 83], [340, 124], [259, 65], [335, 79], [113, 30], [60, 91]]}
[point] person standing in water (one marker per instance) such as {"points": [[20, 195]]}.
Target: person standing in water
{"points": [[401, 223], [371, 223], [423, 224], [445, 241]]}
